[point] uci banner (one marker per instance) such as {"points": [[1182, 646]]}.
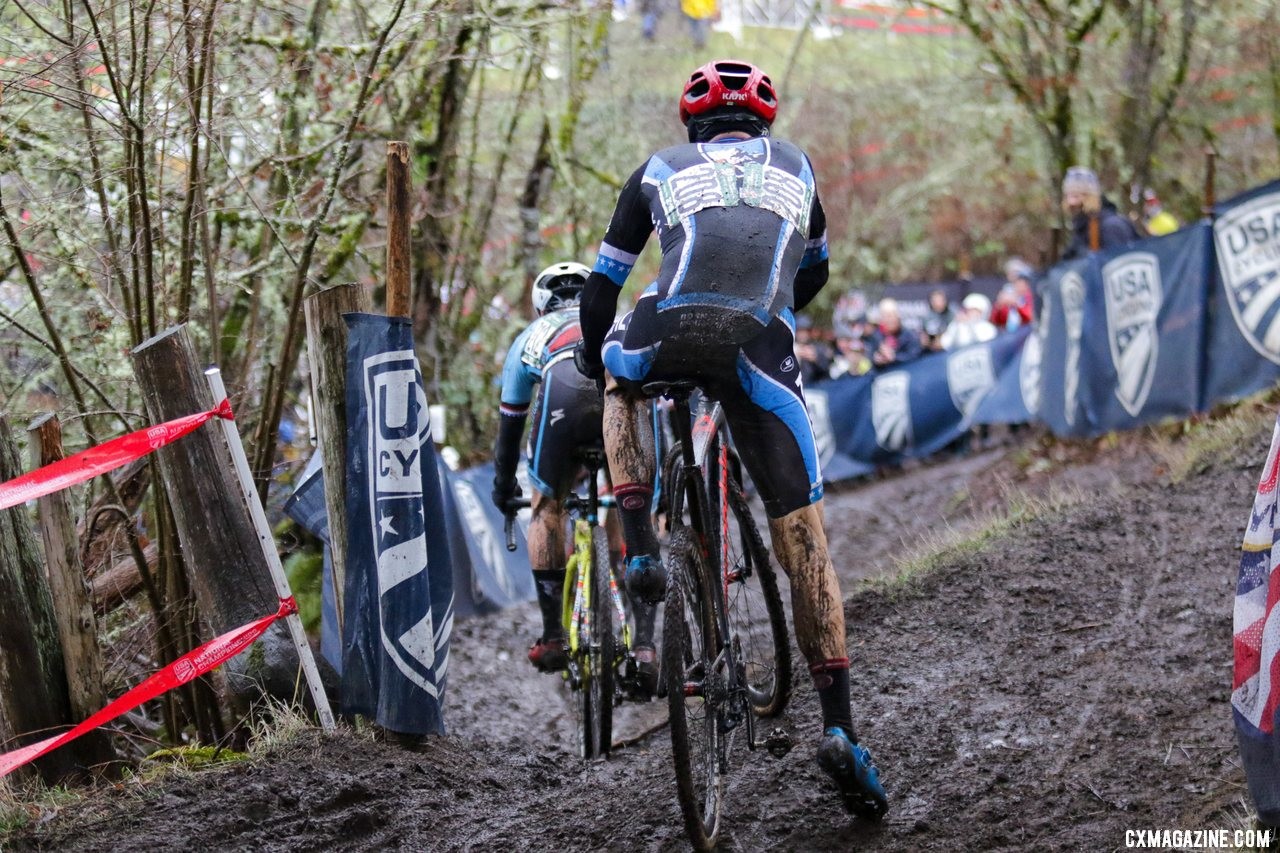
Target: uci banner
{"points": [[399, 583]]}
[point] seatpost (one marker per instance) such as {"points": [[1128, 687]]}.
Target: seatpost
{"points": [[593, 490]]}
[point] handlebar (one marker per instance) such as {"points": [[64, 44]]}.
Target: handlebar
{"points": [[573, 503], [513, 506]]}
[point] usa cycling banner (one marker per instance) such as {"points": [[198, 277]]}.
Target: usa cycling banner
{"points": [[1255, 685], [915, 409], [1244, 328], [498, 578], [1122, 335], [399, 581]]}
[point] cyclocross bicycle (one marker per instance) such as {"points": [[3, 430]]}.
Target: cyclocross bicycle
{"points": [[602, 668], [725, 653]]}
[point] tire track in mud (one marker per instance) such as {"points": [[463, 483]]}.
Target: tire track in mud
{"points": [[1119, 634], [1001, 717]]}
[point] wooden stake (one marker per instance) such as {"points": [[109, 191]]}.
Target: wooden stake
{"points": [[33, 696], [1210, 161], [72, 607], [327, 353], [398, 221]]}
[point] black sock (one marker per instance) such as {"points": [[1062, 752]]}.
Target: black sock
{"points": [[633, 510], [644, 614], [550, 586], [831, 679]]}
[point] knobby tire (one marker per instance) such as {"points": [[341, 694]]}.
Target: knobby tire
{"points": [[688, 643], [602, 650], [763, 649]]}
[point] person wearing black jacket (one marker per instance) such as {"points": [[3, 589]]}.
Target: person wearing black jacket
{"points": [[1096, 225]]}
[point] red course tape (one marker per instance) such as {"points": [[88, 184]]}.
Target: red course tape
{"points": [[107, 456], [194, 663]]}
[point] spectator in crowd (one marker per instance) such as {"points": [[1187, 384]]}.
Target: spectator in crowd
{"points": [[972, 325], [850, 310], [890, 343], [1015, 303], [1156, 219], [936, 320], [851, 351], [700, 14], [650, 12], [1096, 225], [812, 352]]}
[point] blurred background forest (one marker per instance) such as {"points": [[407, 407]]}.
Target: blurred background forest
{"points": [[213, 163]]}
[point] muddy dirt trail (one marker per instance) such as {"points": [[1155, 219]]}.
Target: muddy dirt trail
{"points": [[1066, 683]]}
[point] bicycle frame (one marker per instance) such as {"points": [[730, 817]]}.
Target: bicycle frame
{"points": [[696, 438], [578, 592]]}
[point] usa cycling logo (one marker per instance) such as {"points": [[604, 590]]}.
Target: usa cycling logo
{"points": [[1248, 243], [1131, 285], [399, 425], [1072, 290], [891, 409], [970, 377], [1029, 364]]}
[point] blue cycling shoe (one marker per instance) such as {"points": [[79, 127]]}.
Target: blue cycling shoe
{"points": [[646, 578], [849, 764]]}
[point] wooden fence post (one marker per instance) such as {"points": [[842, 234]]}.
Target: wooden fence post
{"points": [[33, 682], [1210, 190], [398, 224], [72, 608], [327, 353], [220, 547]]}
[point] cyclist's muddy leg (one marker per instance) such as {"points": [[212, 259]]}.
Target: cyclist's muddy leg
{"points": [[628, 442], [547, 557], [800, 543]]}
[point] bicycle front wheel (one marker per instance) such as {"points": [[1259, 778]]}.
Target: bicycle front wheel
{"points": [[601, 649], [695, 694]]}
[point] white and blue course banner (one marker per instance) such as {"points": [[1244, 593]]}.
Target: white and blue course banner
{"points": [[1244, 327], [1121, 335], [497, 578], [398, 602], [915, 409]]}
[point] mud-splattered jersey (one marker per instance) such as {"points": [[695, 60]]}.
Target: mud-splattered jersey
{"points": [[735, 220], [549, 338]]}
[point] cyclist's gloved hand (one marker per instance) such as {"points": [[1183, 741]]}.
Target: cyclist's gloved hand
{"points": [[504, 491], [588, 364]]}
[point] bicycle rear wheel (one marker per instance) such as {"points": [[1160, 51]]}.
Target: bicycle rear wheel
{"points": [[757, 619], [689, 651], [578, 627], [601, 648]]}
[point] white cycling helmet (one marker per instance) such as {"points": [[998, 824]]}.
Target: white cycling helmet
{"points": [[559, 286]]}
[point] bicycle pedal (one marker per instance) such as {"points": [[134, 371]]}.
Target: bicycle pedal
{"points": [[778, 743]]}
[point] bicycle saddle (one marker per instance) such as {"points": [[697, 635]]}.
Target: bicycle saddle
{"points": [[679, 389]]}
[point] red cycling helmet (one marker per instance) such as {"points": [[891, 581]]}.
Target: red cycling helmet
{"points": [[728, 82]]}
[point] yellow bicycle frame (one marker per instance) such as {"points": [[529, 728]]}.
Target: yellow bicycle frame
{"points": [[575, 607]]}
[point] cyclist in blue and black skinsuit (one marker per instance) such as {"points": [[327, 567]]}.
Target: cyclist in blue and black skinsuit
{"points": [[539, 370], [743, 239]]}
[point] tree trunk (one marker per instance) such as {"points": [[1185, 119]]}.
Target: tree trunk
{"points": [[33, 682]]}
